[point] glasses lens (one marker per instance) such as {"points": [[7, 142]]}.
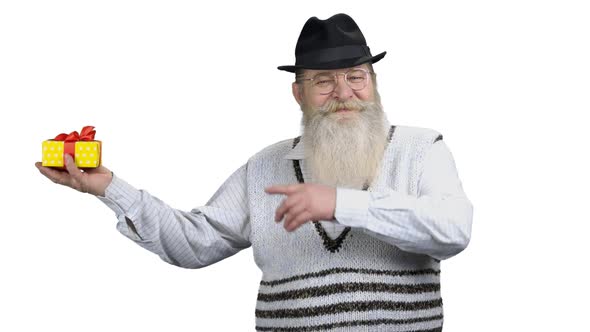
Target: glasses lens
{"points": [[324, 83], [356, 79]]}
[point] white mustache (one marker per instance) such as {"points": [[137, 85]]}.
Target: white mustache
{"points": [[335, 105]]}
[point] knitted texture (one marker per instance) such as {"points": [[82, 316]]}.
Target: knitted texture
{"points": [[367, 285]]}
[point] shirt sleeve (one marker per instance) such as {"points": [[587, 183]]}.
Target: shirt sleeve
{"points": [[437, 222], [203, 236]]}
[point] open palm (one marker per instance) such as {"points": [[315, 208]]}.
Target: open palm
{"points": [[92, 180]]}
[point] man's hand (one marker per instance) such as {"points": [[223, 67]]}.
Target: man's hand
{"points": [[93, 180], [304, 202]]}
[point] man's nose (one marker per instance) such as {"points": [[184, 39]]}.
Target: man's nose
{"points": [[342, 91]]}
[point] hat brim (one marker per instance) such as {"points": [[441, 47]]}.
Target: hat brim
{"points": [[344, 63]]}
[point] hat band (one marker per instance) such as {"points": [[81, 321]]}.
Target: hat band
{"points": [[333, 54]]}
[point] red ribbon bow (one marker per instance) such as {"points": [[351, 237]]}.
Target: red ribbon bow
{"points": [[87, 134]]}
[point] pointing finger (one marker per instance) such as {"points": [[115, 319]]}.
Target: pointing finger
{"points": [[281, 189], [275, 189]]}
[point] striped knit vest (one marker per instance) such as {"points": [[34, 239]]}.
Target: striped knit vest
{"points": [[354, 282]]}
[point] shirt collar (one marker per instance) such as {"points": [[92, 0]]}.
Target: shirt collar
{"points": [[298, 152]]}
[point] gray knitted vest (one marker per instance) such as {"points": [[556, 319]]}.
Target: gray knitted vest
{"points": [[316, 282]]}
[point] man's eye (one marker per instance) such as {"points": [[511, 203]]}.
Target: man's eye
{"points": [[323, 82]]}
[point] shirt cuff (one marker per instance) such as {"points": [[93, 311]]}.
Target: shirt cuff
{"points": [[352, 207], [121, 197]]}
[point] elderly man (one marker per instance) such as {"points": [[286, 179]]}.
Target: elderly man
{"points": [[368, 209]]}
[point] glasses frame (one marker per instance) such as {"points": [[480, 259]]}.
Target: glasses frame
{"points": [[367, 73]]}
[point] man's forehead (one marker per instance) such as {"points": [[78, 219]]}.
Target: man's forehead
{"points": [[338, 70]]}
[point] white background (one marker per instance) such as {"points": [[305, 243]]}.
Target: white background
{"points": [[181, 94]]}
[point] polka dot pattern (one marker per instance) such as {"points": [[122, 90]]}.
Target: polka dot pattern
{"points": [[87, 153]]}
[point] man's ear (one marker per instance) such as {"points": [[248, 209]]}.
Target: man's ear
{"points": [[297, 93]]}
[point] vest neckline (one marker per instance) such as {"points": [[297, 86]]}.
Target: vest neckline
{"points": [[332, 245]]}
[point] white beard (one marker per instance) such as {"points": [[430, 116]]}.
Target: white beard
{"points": [[344, 150]]}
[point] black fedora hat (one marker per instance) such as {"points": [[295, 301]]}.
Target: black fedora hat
{"points": [[330, 44]]}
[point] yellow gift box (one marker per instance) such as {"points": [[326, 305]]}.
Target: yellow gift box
{"points": [[82, 147]]}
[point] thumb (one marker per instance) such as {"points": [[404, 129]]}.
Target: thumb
{"points": [[72, 168]]}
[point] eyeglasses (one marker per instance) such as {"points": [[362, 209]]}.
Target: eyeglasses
{"points": [[325, 83]]}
